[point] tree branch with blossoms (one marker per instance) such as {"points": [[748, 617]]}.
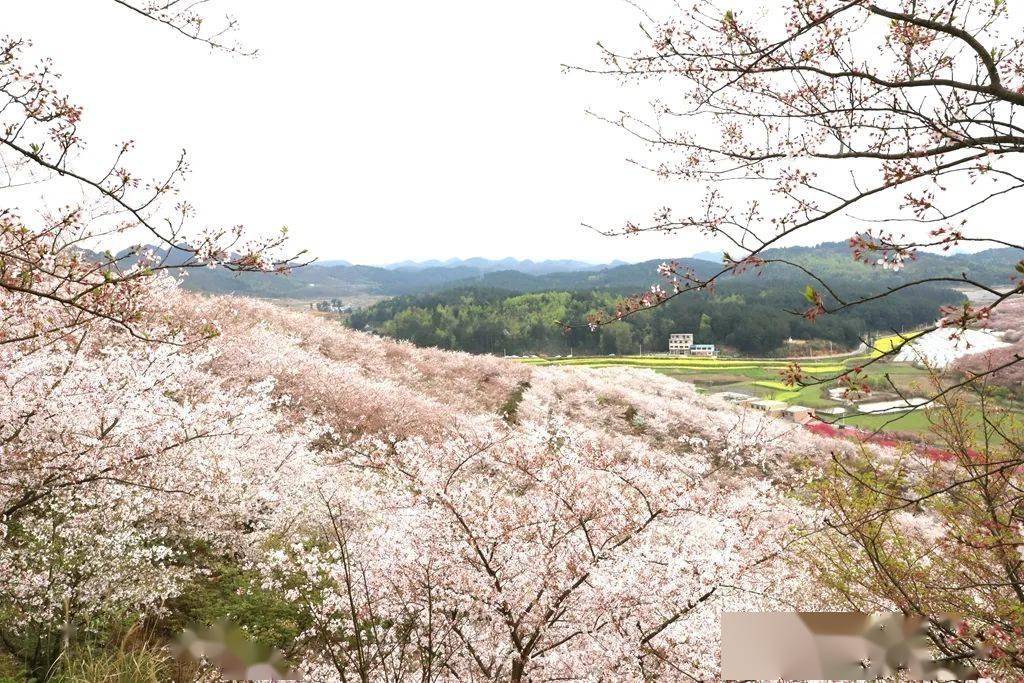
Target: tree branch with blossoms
{"points": [[49, 252], [894, 110], [187, 19]]}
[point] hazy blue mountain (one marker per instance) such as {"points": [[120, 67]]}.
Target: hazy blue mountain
{"points": [[414, 265], [484, 265], [713, 256]]}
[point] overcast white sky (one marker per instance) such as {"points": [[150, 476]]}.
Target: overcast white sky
{"points": [[377, 131]]}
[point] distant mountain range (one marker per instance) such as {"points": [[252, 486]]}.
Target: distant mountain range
{"points": [[336, 279], [484, 265]]}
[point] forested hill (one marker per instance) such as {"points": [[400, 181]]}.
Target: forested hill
{"points": [[320, 282], [831, 260], [745, 316]]}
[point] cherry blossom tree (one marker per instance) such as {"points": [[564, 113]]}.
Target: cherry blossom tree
{"points": [[532, 560], [118, 457], [118, 452]]}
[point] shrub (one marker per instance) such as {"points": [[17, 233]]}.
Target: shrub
{"points": [[105, 665]]}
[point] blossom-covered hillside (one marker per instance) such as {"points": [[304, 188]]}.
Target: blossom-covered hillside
{"points": [[379, 511], [542, 522], [383, 512]]}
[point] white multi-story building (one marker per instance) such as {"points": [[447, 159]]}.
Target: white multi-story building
{"points": [[680, 344]]}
